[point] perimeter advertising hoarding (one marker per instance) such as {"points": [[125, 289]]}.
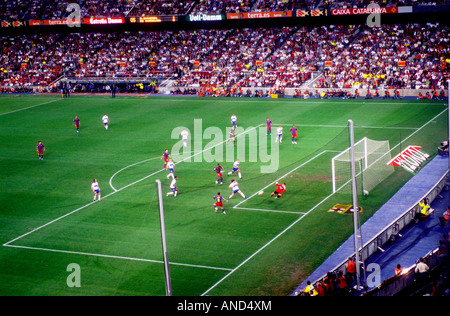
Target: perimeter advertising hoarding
{"points": [[340, 12], [259, 15], [154, 19], [356, 11], [205, 17], [90, 21]]}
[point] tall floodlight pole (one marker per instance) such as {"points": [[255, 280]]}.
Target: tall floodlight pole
{"points": [[163, 239], [355, 201]]}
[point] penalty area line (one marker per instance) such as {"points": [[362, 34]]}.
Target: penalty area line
{"points": [[270, 211], [282, 177], [345, 126]]}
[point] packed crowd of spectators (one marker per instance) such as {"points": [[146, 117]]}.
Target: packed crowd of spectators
{"points": [[410, 56], [24, 10], [430, 277], [399, 57], [56, 9], [336, 4]]}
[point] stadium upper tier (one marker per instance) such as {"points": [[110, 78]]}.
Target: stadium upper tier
{"points": [[24, 10], [410, 56]]}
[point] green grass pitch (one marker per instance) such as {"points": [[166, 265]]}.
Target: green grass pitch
{"points": [[262, 246]]}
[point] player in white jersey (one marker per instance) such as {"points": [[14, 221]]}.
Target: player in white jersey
{"points": [[279, 134], [105, 120], [184, 136], [233, 121], [96, 189], [234, 186], [173, 188], [170, 166], [236, 169]]}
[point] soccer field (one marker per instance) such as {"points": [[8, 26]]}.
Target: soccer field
{"points": [[262, 246]]}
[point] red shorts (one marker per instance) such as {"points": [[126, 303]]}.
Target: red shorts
{"points": [[166, 159], [219, 175], [40, 152], [219, 204], [294, 135]]}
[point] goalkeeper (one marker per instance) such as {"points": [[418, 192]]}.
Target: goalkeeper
{"points": [[281, 188]]}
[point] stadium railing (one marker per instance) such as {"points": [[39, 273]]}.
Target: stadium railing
{"points": [[391, 231], [407, 281]]}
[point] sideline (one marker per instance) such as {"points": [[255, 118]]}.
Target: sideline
{"points": [[29, 107]]}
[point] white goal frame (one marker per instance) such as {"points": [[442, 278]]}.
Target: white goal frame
{"points": [[333, 165], [365, 160]]}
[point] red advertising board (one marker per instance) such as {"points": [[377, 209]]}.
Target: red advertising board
{"points": [[356, 11], [259, 15]]}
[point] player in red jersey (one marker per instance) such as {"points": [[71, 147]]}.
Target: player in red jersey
{"points": [[166, 157], [219, 202], [281, 188], [219, 172], [76, 122], [269, 126], [40, 148], [293, 130]]}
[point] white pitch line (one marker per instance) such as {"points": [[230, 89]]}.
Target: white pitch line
{"points": [[118, 257], [29, 107], [266, 245], [344, 126], [7, 244], [283, 176], [270, 211], [129, 166]]}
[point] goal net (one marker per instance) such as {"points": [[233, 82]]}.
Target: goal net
{"points": [[371, 162]]}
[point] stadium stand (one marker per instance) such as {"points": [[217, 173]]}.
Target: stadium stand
{"points": [[355, 57], [55, 9]]}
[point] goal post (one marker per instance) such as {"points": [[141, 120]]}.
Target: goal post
{"points": [[371, 158]]}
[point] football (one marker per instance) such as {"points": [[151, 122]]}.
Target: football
{"points": [[261, 192]]}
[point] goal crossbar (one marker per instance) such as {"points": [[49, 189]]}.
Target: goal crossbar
{"points": [[371, 158]]}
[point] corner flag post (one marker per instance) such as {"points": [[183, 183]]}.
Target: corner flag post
{"points": [[355, 202], [163, 239]]}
